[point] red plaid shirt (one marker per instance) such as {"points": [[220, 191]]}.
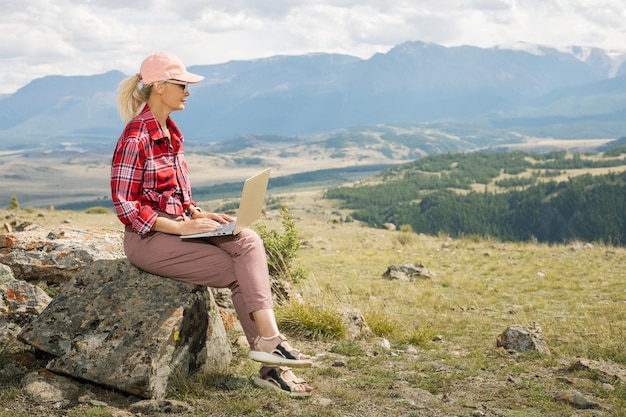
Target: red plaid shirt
{"points": [[148, 174]]}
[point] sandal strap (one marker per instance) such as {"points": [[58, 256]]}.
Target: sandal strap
{"points": [[275, 374], [295, 379], [282, 348]]}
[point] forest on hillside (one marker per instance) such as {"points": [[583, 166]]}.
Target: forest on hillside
{"points": [[511, 196]]}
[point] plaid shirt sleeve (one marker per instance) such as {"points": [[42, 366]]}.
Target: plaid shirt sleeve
{"points": [[127, 179], [182, 170]]}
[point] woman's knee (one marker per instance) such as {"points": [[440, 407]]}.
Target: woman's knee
{"points": [[250, 238]]}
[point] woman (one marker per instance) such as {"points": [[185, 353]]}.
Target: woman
{"points": [[152, 196]]}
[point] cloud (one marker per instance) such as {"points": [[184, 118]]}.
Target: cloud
{"points": [[74, 37]]}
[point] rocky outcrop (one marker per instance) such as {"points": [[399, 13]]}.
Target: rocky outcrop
{"points": [[407, 272], [609, 369], [54, 255], [118, 326]]}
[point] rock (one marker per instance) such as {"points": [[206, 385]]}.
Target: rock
{"points": [[6, 274], [407, 272], [55, 255], [609, 369], [580, 246], [410, 350], [323, 402], [576, 400], [45, 387], [118, 326], [384, 343], [608, 387], [523, 338], [230, 320], [150, 407], [241, 342], [514, 380], [389, 226], [355, 323], [19, 303], [415, 395], [227, 310]]}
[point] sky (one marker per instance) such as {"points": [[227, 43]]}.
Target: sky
{"points": [[87, 37]]}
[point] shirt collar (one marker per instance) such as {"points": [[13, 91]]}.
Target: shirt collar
{"points": [[154, 129]]}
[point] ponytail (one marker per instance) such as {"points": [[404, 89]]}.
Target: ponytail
{"points": [[131, 97]]}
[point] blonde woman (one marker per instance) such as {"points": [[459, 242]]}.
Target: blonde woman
{"points": [[151, 193]]}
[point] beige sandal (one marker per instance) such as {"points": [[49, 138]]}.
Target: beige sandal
{"points": [[277, 351], [281, 379]]}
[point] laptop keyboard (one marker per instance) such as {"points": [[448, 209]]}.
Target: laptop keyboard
{"points": [[226, 228]]}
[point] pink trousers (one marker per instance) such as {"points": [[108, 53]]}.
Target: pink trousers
{"points": [[235, 262]]}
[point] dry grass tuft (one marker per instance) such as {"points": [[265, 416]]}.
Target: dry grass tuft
{"points": [[314, 322]]}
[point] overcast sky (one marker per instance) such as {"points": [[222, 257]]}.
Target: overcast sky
{"points": [[86, 37]]}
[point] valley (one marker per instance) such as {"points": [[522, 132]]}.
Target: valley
{"points": [[54, 178]]}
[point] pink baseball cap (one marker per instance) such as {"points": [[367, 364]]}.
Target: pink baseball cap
{"points": [[161, 66]]}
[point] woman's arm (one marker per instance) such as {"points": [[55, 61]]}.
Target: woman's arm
{"points": [[127, 185]]}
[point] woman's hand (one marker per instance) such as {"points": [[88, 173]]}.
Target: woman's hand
{"points": [[201, 223], [218, 217]]}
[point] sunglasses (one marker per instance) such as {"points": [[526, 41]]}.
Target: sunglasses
{"points": [[183, 84]]}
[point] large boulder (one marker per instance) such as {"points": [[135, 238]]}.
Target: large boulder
{"points": [[54, 255], [121, 327]]}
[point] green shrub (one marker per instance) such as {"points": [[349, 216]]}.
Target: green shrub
{"points": [[98, 210], [282, 249], [50, 291], [405, 238], [14, 204], [417, 336], [382, 325]]}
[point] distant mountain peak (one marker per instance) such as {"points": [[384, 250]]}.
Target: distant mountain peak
{"points": [[539, 90], [609, 61], [531, 48]]}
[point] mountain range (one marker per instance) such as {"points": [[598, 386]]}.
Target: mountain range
{"points": [[533, 90]]}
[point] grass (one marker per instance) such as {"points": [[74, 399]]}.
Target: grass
{"points": [[575, 292], [310, 321]]}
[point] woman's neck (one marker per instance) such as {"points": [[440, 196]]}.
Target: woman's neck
{"points": [[160, 112]]}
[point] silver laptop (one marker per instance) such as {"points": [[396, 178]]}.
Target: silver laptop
{"points": [[250, 207]]}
